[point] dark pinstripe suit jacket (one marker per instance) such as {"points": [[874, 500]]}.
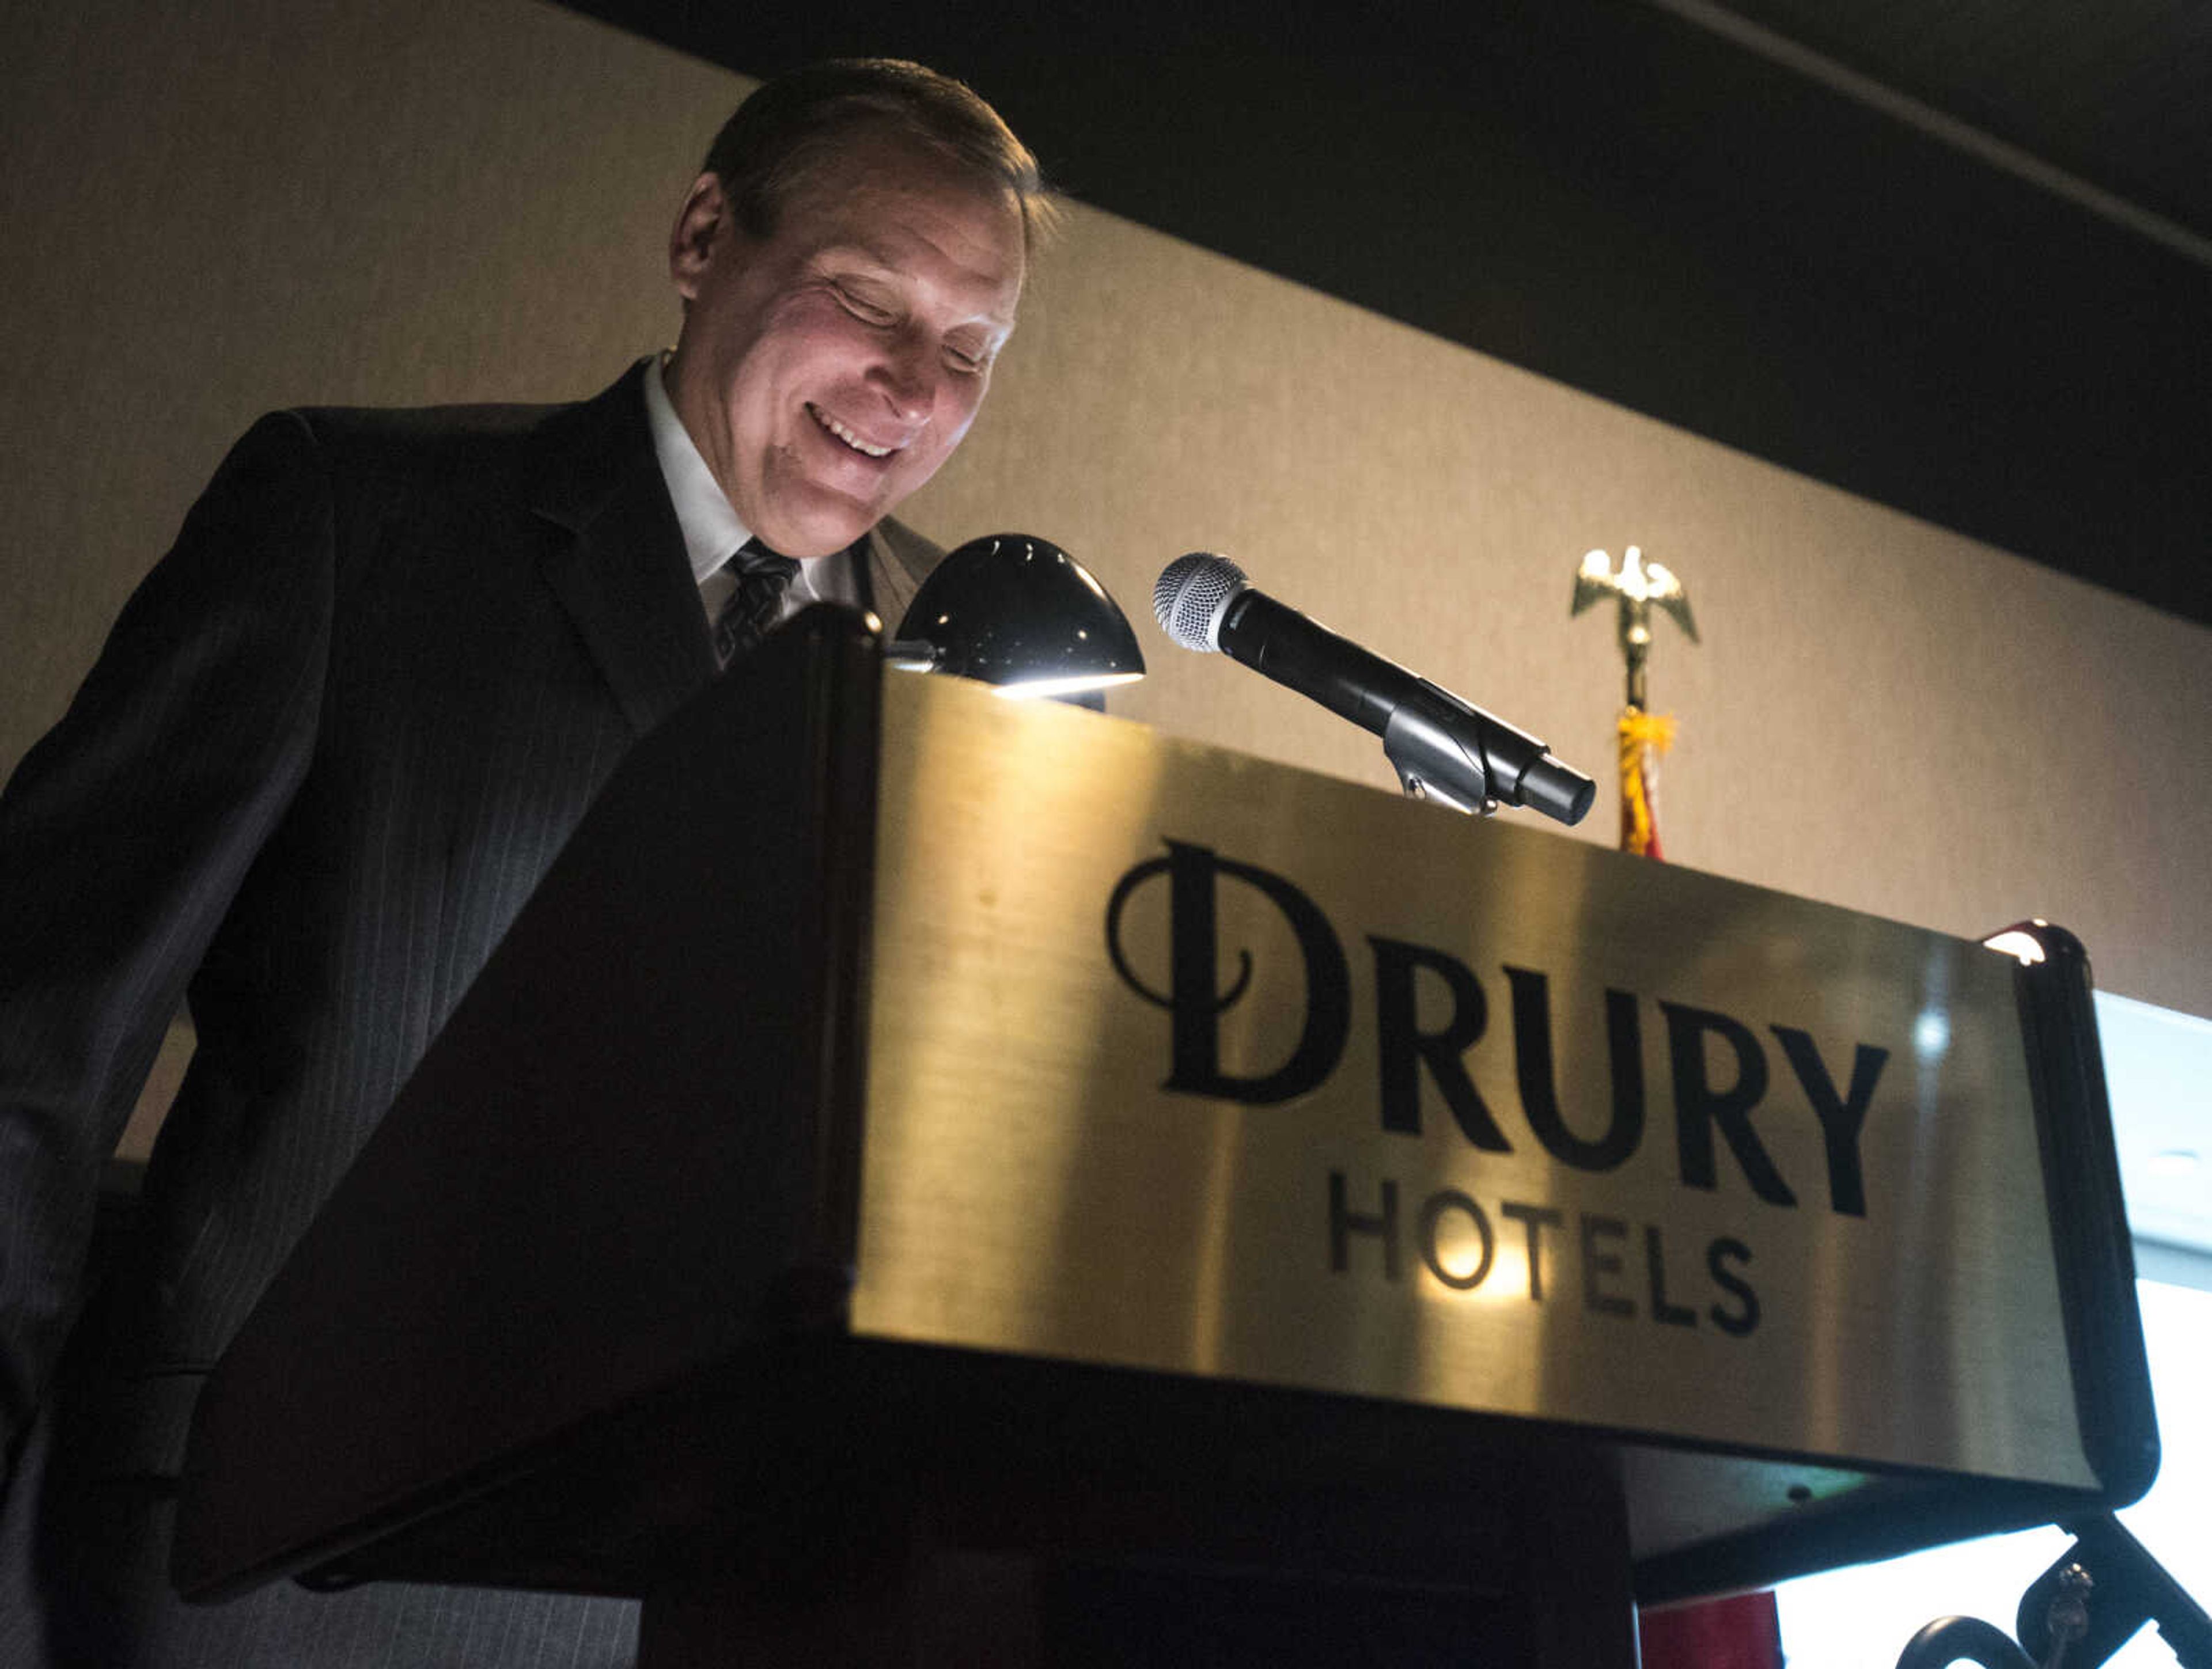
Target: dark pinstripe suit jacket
{"points": [[332, 745]]}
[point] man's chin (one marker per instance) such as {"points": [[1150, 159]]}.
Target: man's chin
{"points": [[825, 525], [813, 536]]}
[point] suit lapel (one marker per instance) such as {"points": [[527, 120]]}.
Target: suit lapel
{"points": [[621, 574], [894, 562]]}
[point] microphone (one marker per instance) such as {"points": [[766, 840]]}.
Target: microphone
{"points": [[1444, 747]]}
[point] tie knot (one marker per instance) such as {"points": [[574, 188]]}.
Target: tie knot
{"points": [[755, 560], [753, 606]]}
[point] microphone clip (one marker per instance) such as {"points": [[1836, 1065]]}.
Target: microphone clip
{"points": [[1421, 742], [1451, 751]]}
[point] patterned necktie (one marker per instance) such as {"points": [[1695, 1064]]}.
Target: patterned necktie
{"points": [[751, 607]]}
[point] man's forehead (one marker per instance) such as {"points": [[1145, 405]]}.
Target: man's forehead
{"points": [[878, 210], [880, 166]]}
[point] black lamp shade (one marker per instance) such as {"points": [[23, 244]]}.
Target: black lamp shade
{"points": [[1021, 613]]}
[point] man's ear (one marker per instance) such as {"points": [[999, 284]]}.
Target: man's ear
{"points": [[703, 223]]}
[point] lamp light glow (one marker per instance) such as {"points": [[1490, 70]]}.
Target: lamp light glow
{"points": [[1028, 689], [2014, 943]]}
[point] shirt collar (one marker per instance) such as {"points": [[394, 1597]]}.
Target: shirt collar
{"points": [[712, 531]]}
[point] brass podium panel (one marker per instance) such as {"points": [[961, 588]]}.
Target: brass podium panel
{"points": [[1776, 1187]]}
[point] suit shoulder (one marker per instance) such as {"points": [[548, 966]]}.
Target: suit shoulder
{"points": [[460, 442]]}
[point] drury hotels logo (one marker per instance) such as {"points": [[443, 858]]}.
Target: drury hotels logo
{"points": [[1260, 1008]]}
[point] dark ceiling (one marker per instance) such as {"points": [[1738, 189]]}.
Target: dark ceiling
{"points": [[2118, 93], [1743, 223]]}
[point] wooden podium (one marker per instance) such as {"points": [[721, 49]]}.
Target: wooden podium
{"points": [[931, 1178]]}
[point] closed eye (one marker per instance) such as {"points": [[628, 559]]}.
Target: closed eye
{"points": [[868, 311]]}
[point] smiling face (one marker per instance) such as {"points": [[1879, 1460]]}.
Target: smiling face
{"points": [[826, 370]]}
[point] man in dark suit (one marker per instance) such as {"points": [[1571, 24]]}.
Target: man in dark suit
{"points": [[335, 740]]}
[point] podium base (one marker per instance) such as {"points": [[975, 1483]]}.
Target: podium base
{"points": [[951, 1560]]}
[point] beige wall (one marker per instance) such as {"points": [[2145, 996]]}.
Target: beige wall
{"points": [[213, 210]]}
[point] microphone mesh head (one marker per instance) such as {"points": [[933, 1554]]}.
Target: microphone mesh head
{"points": [[1189, 596]]}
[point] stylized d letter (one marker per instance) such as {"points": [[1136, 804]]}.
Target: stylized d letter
{"points": [[1191, 999]]}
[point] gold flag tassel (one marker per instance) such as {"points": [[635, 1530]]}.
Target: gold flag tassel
{"points": [[1643, 738]]}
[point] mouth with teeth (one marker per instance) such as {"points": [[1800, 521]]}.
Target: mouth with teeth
{"points": [[829, 425]]}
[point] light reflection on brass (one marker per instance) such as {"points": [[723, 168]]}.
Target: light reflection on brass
{"points": [[1029, 1186]]}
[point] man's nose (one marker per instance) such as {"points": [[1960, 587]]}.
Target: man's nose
{"points": [[909, 376]]}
